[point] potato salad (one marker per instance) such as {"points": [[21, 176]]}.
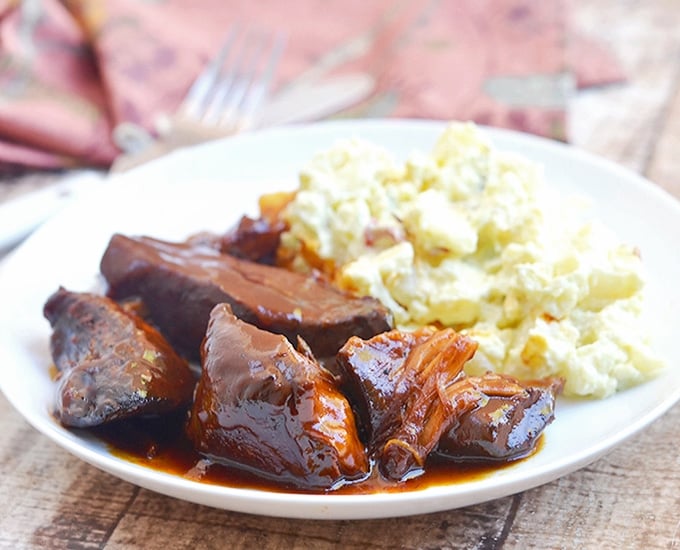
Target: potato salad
{"points": [[465, 236]]}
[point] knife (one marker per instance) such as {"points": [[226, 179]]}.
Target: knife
{"points": [[302, 102], [307, 101]]}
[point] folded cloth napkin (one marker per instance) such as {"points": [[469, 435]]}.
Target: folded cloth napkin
{"points": [[71, 70]]}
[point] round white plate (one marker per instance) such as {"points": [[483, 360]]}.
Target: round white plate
{"points": [[210, 186]]}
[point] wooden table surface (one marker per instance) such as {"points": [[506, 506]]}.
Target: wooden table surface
{"points": [[628, 499]]}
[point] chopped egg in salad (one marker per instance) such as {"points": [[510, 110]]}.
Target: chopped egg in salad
{"points": [[464, 237]]}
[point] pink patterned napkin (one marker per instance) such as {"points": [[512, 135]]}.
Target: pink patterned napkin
{"points": [[71, 70]]}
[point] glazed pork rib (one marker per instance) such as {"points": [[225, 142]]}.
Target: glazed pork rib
{"points": [[370, 373], [506, 422], [262, 406], [180, 284], [402, 376], [112, 364], [412, 399]]}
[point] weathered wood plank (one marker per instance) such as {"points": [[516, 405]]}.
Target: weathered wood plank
{"points": [[51, 489], [664, 165], [55, 499], [628, 499], [623, 122], [167, 523]]}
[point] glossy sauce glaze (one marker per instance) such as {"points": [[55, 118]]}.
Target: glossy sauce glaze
{"points": [[172, 277], [161, 444]]}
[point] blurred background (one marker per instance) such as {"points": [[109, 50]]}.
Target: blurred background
{"points": [[83, 83]]}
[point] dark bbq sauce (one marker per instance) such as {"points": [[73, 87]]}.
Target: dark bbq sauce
{"points": [[161, 444]]}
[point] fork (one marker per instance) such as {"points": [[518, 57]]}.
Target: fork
{"points": [[236, 82], [224, 98]]}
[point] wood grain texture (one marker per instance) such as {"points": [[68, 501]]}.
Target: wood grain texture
{"points": [[623, 122], [664, 164], [628, 499]]}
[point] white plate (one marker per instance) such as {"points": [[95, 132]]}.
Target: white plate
{"points": [[210, 186]]}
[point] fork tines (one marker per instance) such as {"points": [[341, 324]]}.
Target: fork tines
{"points": [[237, 80]]}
